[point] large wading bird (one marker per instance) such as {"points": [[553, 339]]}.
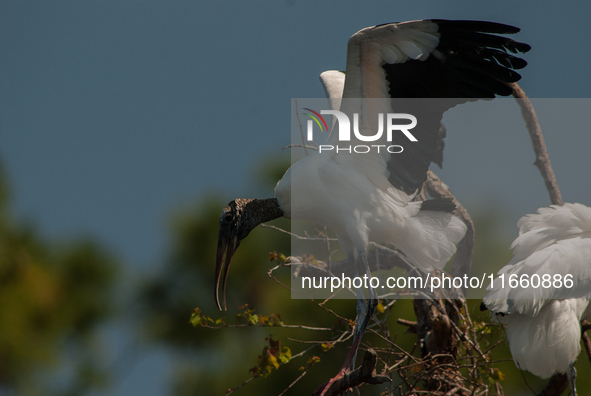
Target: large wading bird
{"points": [[551, 273], [369, 197]]}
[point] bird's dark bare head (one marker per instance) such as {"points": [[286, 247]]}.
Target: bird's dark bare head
{"points": [[239, 217], [237, 220]]}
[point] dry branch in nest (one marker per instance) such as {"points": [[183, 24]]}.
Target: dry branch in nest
{"points": [[365, 374]]}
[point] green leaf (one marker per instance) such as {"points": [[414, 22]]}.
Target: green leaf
{"points": [[195, 319]]}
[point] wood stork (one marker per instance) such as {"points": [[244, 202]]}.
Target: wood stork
{"points": [[543, 319], [368, 197]]}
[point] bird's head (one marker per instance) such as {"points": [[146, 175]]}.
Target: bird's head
{"points": [[238, 218]]}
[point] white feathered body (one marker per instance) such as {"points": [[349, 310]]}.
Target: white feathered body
{"points": [[543, 327], [351, 194]]}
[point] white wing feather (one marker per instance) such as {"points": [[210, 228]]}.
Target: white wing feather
{"points": [[548, 226], [333, 82], [372, 47], [554, 242]]}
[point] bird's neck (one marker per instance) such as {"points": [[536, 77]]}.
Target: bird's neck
{"points": [[253, 212], [264, 210]]}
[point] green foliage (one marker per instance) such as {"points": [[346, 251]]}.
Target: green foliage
{"points": [[198, 319], [53, 298], [244, 318], [272, 357], [312, 360], [255, 319], [496, 376]]}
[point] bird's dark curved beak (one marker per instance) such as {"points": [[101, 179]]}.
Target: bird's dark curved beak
{"points": [[227, 244]]}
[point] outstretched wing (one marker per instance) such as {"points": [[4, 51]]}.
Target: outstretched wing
{"points": [[439, 64]]}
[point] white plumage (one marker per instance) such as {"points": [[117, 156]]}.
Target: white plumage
{"points": [[365, 207], [543, 329], [547, 343]]}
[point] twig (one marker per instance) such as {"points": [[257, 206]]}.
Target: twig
{"points": [[206, 326], [270, 274], [293, 383], [305, 146], [302, 353], [230, 391], [296, 235]]}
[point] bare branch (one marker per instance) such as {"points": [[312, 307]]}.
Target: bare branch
{"points": [[364, 374], [537, 139]]}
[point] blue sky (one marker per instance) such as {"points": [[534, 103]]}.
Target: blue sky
{"points": [[115, 113]]}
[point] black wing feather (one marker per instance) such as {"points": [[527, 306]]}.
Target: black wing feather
{"points": [[470, 63]]}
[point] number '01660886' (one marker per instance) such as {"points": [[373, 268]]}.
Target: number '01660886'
{"points": [[535, 281]]}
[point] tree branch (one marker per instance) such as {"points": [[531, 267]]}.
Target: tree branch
{"points": [[537, 139], [364, 374]]}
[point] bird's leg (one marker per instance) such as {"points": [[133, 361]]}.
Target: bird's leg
{"points": [[359, 329], [364, 313], [373, 295], [349, 364], [571, 373]]}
